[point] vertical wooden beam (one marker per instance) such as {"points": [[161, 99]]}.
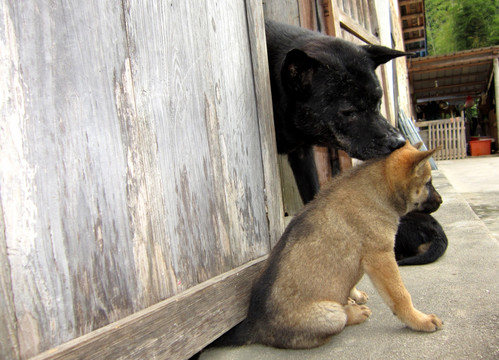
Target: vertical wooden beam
{"points": [[333, 28], [308, 18], [288, 12], [284, 11], [273, 192], [402, 92], [496, 86], [331, 17], [12, 109], [9, 347], [323, 163], [345, 160], [386, 95]]}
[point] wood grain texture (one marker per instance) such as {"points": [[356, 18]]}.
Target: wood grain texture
{"points": [[9, 347], [323, 162], [291, 197], [145, 203], [240, 132], [10, 116], [401, 72], [62, 189], [288, 12], [331, 17], [173, 329], [135, 160], [308, 14], [195, 84], [273, 190], [285, 11], [166, 73]]}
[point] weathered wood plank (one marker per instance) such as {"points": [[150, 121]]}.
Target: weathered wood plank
{"points": [[10, 115], [9, 347], [172, 329], [323, 162], [195, 83], [167, 76], [351, 26], [138, 159], [132, 167], [273, 191], [285, 11], [331, 17], [233, 70], [308, 15], [145, 203], [292, 202], [62, 191], [288, 12], [373, 16]]}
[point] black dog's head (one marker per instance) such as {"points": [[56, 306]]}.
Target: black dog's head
{"points": [[338, 96]]}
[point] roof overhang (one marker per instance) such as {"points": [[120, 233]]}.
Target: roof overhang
{"points": [[452, 77]]}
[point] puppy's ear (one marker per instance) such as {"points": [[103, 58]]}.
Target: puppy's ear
{"points": [[421, 158], [405, 163], [418, 145], [382, 54], [297, 72]]}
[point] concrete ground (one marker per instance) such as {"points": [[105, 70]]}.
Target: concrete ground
{"points": [[462, 287], [477, 180]]}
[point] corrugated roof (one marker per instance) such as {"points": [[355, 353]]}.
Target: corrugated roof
{"points": [[452, 77]]}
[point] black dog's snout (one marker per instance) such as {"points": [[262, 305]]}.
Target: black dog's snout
{"points": [[396, 141]]}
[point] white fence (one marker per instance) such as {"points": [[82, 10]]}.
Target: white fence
{"points": [[450, 133]]}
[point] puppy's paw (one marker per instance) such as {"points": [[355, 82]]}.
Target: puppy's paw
{"points": [[428, 323], [356, 314], [366, 312], [360, 297]]}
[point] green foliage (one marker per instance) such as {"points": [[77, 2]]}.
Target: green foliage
{"points": [[494, 27], [474, 25], [439, 27], [455, 25]]}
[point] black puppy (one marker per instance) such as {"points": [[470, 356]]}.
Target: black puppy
{"points": [[325, 92], [420, 238]]}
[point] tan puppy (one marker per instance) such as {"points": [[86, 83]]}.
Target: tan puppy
{"points": [[306, 292]]}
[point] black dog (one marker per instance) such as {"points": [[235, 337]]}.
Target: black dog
{"points": [[420, 238], [325, 92]]}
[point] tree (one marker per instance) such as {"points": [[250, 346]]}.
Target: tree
{"points": [[473, 22], [439, 27], [461, 25]]}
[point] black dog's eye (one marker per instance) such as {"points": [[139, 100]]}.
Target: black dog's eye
{"points": [[347, 112]]}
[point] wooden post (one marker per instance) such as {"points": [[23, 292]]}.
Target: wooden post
{"points": [[333, 28], [496, 86], [331, 17]]}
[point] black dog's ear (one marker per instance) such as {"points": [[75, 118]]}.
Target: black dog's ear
{"points": [[297, 71], [382, 54]]}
